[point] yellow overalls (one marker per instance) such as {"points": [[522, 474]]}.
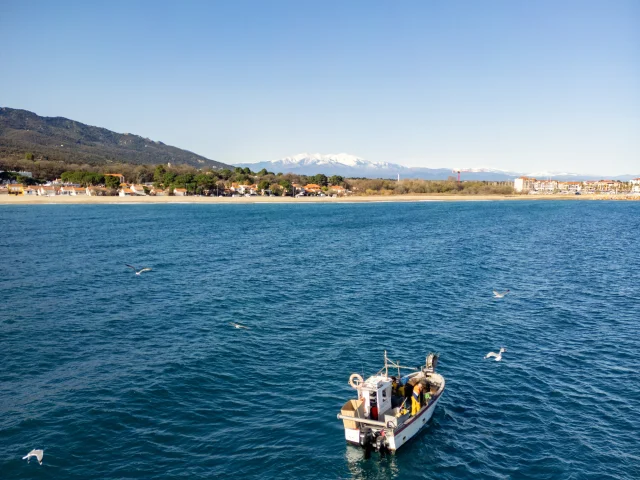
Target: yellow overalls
{"points": [[415, 399]]}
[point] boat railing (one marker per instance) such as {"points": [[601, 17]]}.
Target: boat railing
{"points": [[391, 364], [366, 421]]}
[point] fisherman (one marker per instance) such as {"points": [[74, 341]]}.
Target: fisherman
{"points": [[415, 399], [397, 388], [408, 390]]}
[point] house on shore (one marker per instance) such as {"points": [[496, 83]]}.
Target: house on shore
{"points": [[158, 192], [48, 190], [15, 189], [138, 189], [243, 189], [97, 191], [297, 188], [606, 186], [312, 189], [180, 192], [74, 191], [247, 189], [570, 187]]}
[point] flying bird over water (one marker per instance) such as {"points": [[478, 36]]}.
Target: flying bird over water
{"points": [[34, 453], [238, 325], [497, 355], [138, 272], [497, 294]]}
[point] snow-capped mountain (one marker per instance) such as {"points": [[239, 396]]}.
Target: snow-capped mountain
{"points": [[545, 174], [352, 166], [339, 159]]}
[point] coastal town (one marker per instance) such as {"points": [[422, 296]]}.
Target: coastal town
{"points": [[114, 184], [233, 189], [535, 186]]}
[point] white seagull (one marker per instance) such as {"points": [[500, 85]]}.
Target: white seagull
{"points": [[34, 453], [238, 325], [497, 355], [138, 272], [497, 294]]}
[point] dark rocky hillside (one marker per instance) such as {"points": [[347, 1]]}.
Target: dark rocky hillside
{"points": [[61, 139]]}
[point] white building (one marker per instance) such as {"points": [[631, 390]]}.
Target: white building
{"points": [[138, 189], [547, 186], [523, 184], [96, 191], [47, 191], [570, 187], [247, 189], [67, 190]]}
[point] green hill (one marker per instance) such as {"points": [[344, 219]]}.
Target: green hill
{"points": [[61, 139]]}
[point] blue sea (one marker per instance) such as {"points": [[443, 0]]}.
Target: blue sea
{"points": [[118, 376]]}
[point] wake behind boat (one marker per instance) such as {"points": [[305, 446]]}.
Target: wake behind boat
{"points": [[390, 410]]}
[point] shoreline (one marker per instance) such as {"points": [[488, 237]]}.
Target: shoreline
{"points": [[87, 200]]}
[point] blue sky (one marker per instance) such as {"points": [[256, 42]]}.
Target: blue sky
{"points": [[517, 85]]}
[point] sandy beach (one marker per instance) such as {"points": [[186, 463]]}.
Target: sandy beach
{"points": [[83, 199]]}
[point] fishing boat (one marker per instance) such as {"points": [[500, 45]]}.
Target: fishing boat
{"points": [[391, 409]]}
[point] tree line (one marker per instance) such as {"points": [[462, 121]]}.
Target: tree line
{"points": [[394, 187], [211, 182]]}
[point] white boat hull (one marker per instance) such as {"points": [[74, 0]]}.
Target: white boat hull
{"points": [[398, 437], [409, 430]]}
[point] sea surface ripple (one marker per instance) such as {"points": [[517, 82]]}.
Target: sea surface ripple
{"points": [[122, 376]]}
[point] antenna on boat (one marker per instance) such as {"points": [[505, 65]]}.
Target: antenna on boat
{"points": [[386, 365]]}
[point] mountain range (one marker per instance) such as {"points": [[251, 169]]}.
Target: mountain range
{"points": [[355, 167], [58, 138], [61, 139]]}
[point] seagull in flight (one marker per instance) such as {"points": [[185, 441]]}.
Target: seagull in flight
{"points": [[238, 325], [497, 294], [138, 272], [497, 355], [34, 453]]}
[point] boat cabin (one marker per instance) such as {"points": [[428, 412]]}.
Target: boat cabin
{"points": [[376, 393]]}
